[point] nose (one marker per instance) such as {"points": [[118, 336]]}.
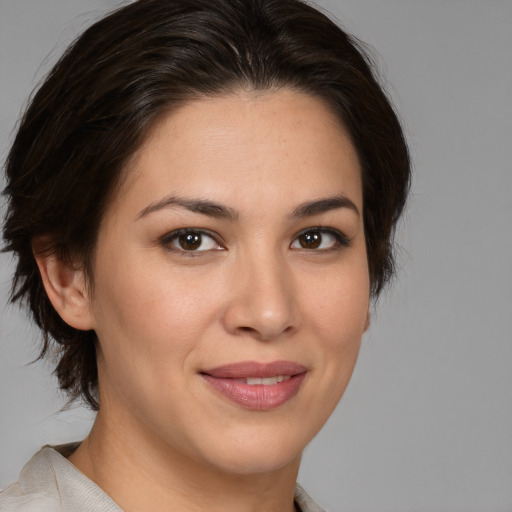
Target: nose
{"points": [[262, 302]]}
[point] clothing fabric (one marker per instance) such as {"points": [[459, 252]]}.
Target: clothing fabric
{"points": [[50, 483]]}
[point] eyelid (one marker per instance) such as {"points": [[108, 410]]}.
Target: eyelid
{"points": [[167, 239], [342, 240]]}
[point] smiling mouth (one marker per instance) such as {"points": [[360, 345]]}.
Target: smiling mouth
{"points": [[257, 386], [265, 381]]}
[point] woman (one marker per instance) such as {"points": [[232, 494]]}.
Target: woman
{"points": [[202, 197]]}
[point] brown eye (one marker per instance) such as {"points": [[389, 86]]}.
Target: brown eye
{"points": [[320, 239], [190, 241], [310, 239]]}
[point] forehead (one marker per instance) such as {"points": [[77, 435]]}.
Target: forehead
{"points": [[245, 148]]}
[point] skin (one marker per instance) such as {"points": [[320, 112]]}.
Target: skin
{"points": [[164, 438]]}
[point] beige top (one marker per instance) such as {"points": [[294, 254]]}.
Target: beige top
{"points": [[50, 483]]}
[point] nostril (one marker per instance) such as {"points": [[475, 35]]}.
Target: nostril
{"points": [[249, 330], [264, 334]]}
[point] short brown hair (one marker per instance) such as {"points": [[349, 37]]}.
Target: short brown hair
{"points": [[97, 104]]}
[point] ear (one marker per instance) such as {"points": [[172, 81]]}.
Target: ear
{"points": [[66, 288]]}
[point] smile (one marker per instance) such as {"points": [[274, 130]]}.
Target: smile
{"points": [[265, 381], [257, 386]]}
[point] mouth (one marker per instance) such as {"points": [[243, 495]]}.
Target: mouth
{"points": [[264, 381], [256, 386]]}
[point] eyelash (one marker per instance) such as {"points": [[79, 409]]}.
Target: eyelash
{"points": [[341, 240], [167, 241]]}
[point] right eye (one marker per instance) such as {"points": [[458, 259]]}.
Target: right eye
{"points": [[190, 241]]}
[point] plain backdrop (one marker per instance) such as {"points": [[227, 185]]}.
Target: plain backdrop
{"points": [[426, 423]]}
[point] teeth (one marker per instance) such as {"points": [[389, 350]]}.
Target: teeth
{"points": [[266, 381]]}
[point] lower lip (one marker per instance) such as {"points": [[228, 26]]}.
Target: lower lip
{"points": [[258, 397]]}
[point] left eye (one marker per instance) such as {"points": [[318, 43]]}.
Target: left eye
{"points": [[187, 240], [319, 239]]}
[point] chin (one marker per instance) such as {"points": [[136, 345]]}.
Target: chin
{"points": [[250, 455], [257, 463]]}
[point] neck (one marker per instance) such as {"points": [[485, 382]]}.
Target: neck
{"points": [[140, 474]]}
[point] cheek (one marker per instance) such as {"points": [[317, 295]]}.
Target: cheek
{"points": [[145, 315], [340, 304], [339, 314]]}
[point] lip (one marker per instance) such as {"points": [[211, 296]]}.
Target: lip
{"points": [[228, 381]]}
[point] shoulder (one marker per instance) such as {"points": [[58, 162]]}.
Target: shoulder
{"points": [[14, 499], [50, 483], [35, 490], [304, 502]]}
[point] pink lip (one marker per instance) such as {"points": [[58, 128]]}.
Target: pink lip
{"points": [[228, 380]]}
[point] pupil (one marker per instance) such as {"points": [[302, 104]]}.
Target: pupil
{"points": [[190, 241], [310, 240]]}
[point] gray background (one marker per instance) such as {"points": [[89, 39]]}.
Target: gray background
{"points": [[426, 424]]}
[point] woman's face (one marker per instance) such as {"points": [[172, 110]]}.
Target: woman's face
{"points": [[231, 285]]}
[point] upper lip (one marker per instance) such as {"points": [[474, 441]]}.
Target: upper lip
{"points": [[244, 369]]}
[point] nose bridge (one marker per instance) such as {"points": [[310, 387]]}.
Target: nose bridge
{"points": [[263, 300]]}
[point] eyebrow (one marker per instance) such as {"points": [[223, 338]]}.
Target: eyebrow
{"points": [[194, 205], [220, 211], [323, 205]]}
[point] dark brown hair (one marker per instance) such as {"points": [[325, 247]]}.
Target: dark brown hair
{"points": [[97, 104]]}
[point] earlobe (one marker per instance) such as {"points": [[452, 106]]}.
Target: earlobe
{"points": [[66, 288]]}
